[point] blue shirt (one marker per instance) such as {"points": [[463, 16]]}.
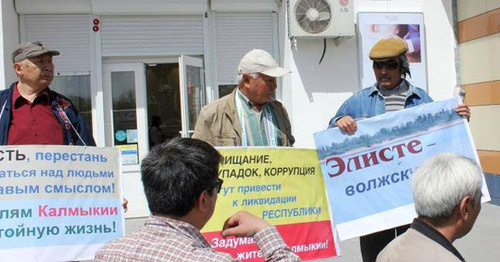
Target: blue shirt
{"points": [[369, 102]]}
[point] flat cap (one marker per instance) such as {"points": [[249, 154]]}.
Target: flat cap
{"points": [[387, 48], [31, 49]]}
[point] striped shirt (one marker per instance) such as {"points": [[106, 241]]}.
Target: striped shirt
{"points": [[395, 99], [165, 239], [256, 125]]}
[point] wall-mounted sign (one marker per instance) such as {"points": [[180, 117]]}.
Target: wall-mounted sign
{"points": [[129, 154], [131, 136], [120, 135]]}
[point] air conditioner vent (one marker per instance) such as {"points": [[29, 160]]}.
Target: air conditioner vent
{"points": [[320, 18]]}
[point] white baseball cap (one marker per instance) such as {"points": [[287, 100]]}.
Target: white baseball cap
{"points": [[260, 61]]}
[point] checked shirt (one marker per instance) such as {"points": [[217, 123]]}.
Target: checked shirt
{"points": [[164, 239]]}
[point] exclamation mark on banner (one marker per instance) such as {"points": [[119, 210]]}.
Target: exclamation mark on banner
{"points": [[114, 227], [113, 185]]}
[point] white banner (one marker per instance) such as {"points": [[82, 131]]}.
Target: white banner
{"points": [[368, 174], [58, 203]]}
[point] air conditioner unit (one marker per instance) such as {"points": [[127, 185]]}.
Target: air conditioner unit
{"points": [[320, 18]]}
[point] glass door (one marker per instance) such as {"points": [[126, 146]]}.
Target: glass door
{"points": [[164, 103], [125, 115], [192, 92]]}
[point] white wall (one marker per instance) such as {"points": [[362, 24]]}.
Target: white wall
{"points": [[313, 92], [9, 39]]}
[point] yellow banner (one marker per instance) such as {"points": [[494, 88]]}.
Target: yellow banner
{"points": [[280, 185]]}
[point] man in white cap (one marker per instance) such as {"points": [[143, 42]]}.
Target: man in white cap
{"points": [[249, 116]]}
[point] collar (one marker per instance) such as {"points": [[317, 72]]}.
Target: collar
{"points": [[433, 234], [243, 98], [17, 99], [247, 101], [402, 85], [185, 228], [412, 90]]}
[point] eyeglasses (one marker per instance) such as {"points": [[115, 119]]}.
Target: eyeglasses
{"points": [[389, 65], [217, 185]]}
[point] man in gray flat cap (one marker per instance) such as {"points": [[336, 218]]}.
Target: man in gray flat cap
{"points": [[392, 92], [31, 113], [249, 116]]}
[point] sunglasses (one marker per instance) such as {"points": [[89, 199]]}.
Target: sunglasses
{"points": [[389, 65], [217, 185]]}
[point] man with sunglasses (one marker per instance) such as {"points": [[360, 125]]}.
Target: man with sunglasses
{"points": [[392, 92], [181, 185]]}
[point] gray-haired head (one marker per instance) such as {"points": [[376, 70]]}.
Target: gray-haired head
{"points": [[239, 77], [440, 184]]}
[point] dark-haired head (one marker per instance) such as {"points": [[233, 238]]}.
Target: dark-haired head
{"points": [[176, 172]]}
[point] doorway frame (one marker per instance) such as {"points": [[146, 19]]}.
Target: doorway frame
{"points": [[140, 107]]}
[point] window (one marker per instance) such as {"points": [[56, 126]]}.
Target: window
{"points": [[77, 89]]}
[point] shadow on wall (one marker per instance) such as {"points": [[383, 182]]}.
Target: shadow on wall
{"points": [[448, 10], [337, 73]]}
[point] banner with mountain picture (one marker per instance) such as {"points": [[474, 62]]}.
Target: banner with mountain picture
{"points": [[368, 175]]}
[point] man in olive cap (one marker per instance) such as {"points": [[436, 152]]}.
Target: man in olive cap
{"points": [[392, 92], [249, 116], [31, 113]]}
